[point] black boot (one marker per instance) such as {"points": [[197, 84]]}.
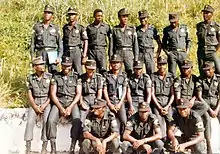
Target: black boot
{"points": [[72, 147], [53, 147], [28, 147], [44, 147]]}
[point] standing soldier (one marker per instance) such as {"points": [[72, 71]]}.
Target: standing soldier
{"points": [[73, 35], [100, 130], [139, 88], [66, 91], [162, 94], [176, 43], [38, 95], [46, 39], [146, 33], [191, 125], [115, 88], [185, 86], [92, 84], [97, 33], [208, 34], [142, 133], [124, 41]]}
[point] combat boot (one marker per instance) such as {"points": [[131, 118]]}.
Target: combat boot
{"points": [[53, 147], [44, 147], [72, 147], [28, 147]]}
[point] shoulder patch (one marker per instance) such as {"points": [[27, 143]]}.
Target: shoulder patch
{"points": [[129, 124], [87, 122], [114, 123], [176, 84], [156, 122], [198, 84], [199, 125]]}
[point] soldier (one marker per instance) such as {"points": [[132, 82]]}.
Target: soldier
{"points": [[176, 43], [97, 32], [185, 87], [124, 41], [209, 87], [38, 95], [191, 125], [114, 90], [139, 88], [46, 39], [92, 84], [146, 33], [100, 130], [66, 91], [208, 34], [73, 35], [142, 132], [162, 94]]}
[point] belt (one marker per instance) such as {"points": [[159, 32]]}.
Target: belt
{"points": [[73, 47], [137, 98], [124, 48], [175, 49], [93, 95], [46, 49]]}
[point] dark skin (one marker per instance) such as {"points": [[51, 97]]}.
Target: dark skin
{"points": [[98, 18], [123, 21]]}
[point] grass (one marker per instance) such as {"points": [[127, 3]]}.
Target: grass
{"points": [[18, 16]]}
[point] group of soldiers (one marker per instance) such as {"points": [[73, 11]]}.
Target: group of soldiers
{"points": [[113, 111]]}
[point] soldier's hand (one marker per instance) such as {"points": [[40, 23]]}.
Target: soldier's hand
{"points": [[98, 145], [112, 108], [37, 109], [181, 148], [175, 144], [57, 61], [68, 111], [62, 112], [138, 143], [104, 143], [164, 111], [42, 107], [131, 110], [84, 59], [212, 113], [118, 106]]}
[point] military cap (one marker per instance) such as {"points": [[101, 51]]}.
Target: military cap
{"points": [[91, 64], [138, 64], [208, 64], [143, 107], [38, 60], [187, 64], [72, 10], [184, 103], [123, 12], [115, 58], [66, 61], [208, 8], [143, 14], [173, 17], [99, 103], [48, 8], [162, 60]]}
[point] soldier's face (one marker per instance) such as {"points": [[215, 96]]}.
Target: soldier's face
{"points": [[143, 115], [209, 72], [161, 67], [66, 69], [174, 24], [90, 71], [184, 112], [39, 68], [72, 17], [123, 19], [207, 15], [116, 65], [98, 111], [143, 21], [186, 71], [138, 71], [48, 16], [98, 16]]}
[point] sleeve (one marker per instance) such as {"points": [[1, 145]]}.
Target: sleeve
{"points": [[148, 83], [28, 84], [129, 125], [111, 44], [53, 81], [135, 46], [100, 81], [32, 48], [199, 126], [114, 125], [173, 121], [218, 33], [164, 39], [155, 34], [83, 33], [79, 81], [125, 83], [199, 85], [59, 43], [188, 39], [177, 84], [87, 126], [155, 121]]}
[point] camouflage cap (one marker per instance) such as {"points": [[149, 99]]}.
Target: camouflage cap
{"points": [[138, 64], [208, 64], [38, 60], [208, 8], [173, 17], [66, 61], [123, 12], [162, 60], [98, 103], [187, 64], [72, 10], [184, 103], [48, 8], [115, 58], [143, 14], [144, 107], [90, 64]]}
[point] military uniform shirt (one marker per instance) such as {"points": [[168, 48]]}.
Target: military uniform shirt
{"points": [[92, 86], [97, 35], [73, 35], [101, 128], [191, 126], [46, 38], [208, 34], [39, 87], [145, 38], [173, 40], [66, 86], [140, 130]]}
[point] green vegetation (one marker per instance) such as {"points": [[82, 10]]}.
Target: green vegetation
{"points": [[18, 16]]}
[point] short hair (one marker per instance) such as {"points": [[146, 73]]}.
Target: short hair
{"points": [[96, 11]]}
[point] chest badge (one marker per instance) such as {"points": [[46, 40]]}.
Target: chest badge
{"points": [[53, 30], [182, 30], [77, 31], [129, 32], [213, 29], [48, 81]]}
